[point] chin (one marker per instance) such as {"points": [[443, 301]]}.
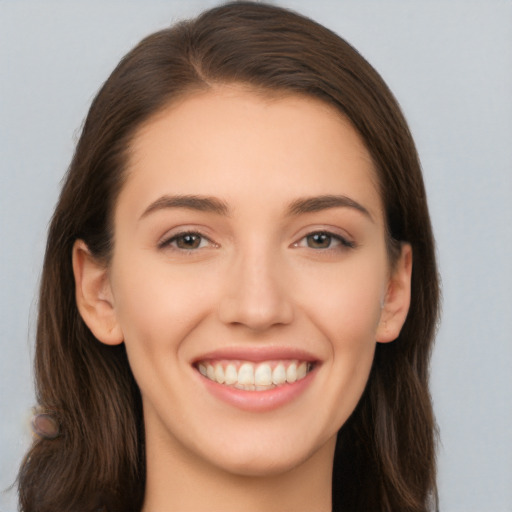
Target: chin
{"points": [[262, 465], [264, 458]]}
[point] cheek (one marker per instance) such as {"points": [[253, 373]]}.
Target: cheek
{"points": [[347, 312], [156, 304], [346, 303], [349, 322]]}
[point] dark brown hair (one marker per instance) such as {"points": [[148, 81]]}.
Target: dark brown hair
{"points": [[385, 455]]}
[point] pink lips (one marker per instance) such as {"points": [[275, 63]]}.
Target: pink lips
{"points": [[258, 401], [258, 354]]}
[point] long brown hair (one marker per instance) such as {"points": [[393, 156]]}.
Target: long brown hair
{"points": [[385, 455]]}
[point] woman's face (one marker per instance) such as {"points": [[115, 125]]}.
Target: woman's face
{"points": [[249, 278]]}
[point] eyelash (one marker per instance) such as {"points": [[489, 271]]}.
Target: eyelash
{"points": [[168, 242], [343, 243]]}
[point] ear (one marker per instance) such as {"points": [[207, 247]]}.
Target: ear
{"points": [[397, 299], [94, 296]]}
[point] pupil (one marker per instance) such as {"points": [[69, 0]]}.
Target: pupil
{"points": [[189, 241], [319, 240]]}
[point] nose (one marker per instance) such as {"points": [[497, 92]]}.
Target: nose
{"points": [[256, 294]]}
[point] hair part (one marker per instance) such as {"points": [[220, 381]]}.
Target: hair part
{"points": [[385, 455]]}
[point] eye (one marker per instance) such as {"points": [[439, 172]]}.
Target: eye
{"points": [[324, 240], [186, 241]]}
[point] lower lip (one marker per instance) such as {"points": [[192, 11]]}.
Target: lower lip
{"points": [[259, 401]]}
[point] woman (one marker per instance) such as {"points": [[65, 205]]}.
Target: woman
{"points": [[229, 315]]}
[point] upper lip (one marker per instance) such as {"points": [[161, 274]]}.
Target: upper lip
{"points": [[258, 354]]}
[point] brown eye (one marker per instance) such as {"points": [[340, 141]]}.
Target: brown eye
{"points": [[319, 240], [324, 240], [188, 241]]}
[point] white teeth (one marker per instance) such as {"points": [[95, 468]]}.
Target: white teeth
{"points": [[279, 374], [246, 374], [263, 375], [230, 375], [291, 373], [219, 374], [253, 376], [302, 370]]}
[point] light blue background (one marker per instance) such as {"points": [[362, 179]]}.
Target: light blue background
{"points": [[450, 65]]}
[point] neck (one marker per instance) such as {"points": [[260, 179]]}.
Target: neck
{"points": [[177, 480]]}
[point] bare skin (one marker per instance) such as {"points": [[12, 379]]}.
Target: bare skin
{"points": [[249, 231]]}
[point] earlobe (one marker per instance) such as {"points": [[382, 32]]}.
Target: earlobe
{"points": [[94, 296], [397, 299]]}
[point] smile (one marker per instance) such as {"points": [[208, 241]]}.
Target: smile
{"points": [[249, 376]]}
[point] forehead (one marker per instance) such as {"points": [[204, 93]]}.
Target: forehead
{"points": [[233, 142]]}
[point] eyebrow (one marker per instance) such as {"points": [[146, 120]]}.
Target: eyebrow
{"points": [[213, 205], [319, 203], [191, 202]]}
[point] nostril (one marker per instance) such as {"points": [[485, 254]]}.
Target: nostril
{"points": [[255, 313]]}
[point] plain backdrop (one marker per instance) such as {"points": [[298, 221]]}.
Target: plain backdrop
{"points": [[449, 64]]}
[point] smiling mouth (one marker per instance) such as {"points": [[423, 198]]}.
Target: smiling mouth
{"points": [[249, 376]]}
